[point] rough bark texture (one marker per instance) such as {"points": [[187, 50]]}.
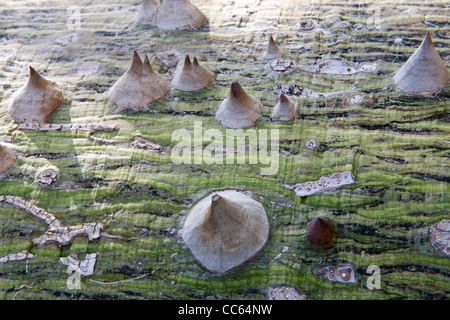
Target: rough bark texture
{"points": [[225, 230]]}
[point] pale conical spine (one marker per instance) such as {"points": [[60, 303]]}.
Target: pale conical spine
{"points": [[8, 156], [320, 231], [139, 86], [272, 50], [239, 109], [147, 67], [285, 109], [425, 73], [35, 101], [148, 13], [170, 14], [192, 76], [225, 230]]}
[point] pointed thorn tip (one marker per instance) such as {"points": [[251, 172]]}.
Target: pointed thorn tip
{"points": [[236, 89], [195, 61]]}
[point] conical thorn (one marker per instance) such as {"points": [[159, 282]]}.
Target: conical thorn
{"points": [[147, 66], [195, 63]]}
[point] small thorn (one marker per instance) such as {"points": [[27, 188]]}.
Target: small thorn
{"points": [[187, 60], [428, 40], [320, 231], [236, 89], [195, 62], [32, 71]]}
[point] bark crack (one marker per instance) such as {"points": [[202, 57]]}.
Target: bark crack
{"points": [[58, 234]]}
